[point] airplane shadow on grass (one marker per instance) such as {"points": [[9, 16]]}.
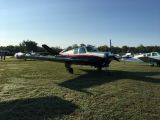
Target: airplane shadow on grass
{"points": [[94, 78], [35, 108]]}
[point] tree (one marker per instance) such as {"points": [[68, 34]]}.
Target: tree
{"points": [[125, 49], [141, 49], [74, 46], [28, 46], [11, 49], [103, 48], [116, 50], [82, 45]]}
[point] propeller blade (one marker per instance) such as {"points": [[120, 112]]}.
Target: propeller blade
{"points": [[115, 58]]}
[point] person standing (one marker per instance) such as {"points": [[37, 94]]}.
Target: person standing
{"points": [[4, 55], [1, 55]]}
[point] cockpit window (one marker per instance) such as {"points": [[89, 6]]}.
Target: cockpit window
{"points": [[154, 54], [91, 49], [75, 51], [82, 50]]}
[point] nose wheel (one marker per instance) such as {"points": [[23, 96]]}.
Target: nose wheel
{"points": [[99, 68], [68, 68]]}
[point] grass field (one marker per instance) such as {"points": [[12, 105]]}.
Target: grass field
{"points": [[41, 90]]}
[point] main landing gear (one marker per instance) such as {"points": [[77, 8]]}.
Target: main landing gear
{"points": [[68, 68], [155, 64], [99, 69]]}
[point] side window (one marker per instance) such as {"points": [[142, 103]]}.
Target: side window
{"points": [[82, 50], [154, 54], [75, 51], [149, 54]]}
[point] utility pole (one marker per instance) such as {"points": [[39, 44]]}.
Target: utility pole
{"points": [[110, 45]]}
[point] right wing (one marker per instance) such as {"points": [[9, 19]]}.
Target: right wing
{"points": [[57, 59]]}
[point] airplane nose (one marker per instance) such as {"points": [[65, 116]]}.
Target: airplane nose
{"points": [[106, 55]]}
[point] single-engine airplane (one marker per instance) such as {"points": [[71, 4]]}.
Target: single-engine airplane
{"points": [[84, 55], [152, 58]]}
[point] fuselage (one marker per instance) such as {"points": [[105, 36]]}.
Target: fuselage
{"points": [[152, 58], [87, 56], [152, 55]]}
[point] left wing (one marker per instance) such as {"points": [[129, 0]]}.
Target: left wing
{"points": [[57, 59]]}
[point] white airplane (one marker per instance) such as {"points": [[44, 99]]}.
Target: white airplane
{"points": [[19, 55], [152, 58], [84, 55], [129, 57]]}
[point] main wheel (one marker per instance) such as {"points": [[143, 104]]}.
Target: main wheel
{"points": [[70, 70], [99, 68]]}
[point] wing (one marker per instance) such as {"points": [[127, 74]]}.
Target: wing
{"points": [[57, 59], [149, 59]]}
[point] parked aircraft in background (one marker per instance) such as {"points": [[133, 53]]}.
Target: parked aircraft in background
{"points": [[84, 55], [127, 55], [19, 55], [152, 58]]}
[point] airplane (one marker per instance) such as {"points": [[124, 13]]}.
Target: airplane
{"points": [[84, 55], [152, 58], [127, 55]]}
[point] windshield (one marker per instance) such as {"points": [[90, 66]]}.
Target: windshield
{"points": [[91, 49]]}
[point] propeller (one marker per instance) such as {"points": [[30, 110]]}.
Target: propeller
{"points": [[109, 58], [115, 58]]}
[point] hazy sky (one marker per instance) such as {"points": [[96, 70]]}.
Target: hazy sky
{"points": [[66, 22]]}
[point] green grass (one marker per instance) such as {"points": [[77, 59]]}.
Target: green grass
{"points": [[42, 90]]}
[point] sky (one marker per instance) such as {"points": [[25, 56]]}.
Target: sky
{"points": [[67, 22]]}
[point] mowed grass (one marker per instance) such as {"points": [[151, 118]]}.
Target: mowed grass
{"points": [[41, 90]]}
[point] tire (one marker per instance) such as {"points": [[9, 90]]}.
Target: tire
{"points": [[70, 70], [99, 68]]}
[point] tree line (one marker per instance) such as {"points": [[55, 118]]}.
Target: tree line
{"points": [[125, 49], [25, 46], [29, 46]]}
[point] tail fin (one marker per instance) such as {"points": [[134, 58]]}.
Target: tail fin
{"points": [[50, 50]]}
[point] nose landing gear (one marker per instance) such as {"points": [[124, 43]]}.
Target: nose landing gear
{"points": [[68, 68]]}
